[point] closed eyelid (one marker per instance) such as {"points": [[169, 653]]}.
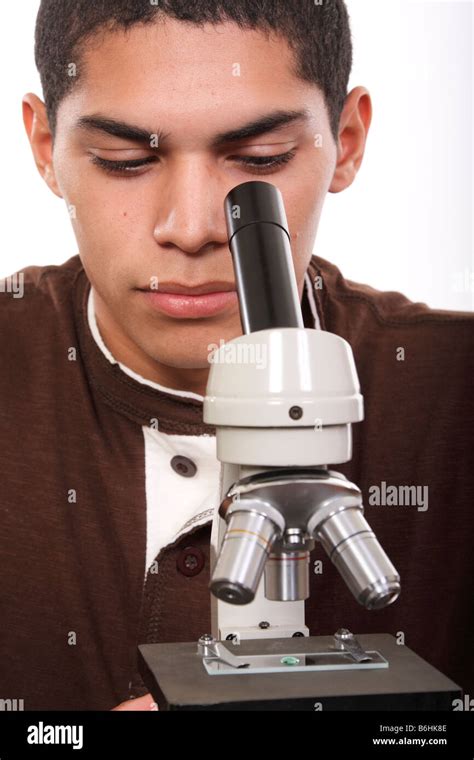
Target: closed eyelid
{"points": [[115, 150]]}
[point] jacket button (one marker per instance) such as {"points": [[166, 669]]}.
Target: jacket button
{"points": [[190, 561], [183, 466]]}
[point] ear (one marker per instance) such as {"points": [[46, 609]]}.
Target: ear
{"points": [[41, 140], [353, 129]]}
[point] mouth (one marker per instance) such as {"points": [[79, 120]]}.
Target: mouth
{"points": [[190, 302]]}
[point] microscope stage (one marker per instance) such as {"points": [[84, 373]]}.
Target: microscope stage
{"points": [[178, 679]]}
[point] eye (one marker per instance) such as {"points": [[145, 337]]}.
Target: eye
{"points": [[123, 167], [263, 164]]}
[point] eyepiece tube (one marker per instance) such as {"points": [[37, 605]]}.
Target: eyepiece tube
{"points": [[259, 241]]}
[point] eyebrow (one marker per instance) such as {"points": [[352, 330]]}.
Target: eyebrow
{"points": [[98, 123], [268, 123]]}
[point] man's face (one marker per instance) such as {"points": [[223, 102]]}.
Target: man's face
{"points": [[165, 222]]}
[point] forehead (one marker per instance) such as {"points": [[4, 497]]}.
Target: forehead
{"points": [[183, 72]]}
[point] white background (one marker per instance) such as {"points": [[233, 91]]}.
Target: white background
{"points": [[405, 224]]}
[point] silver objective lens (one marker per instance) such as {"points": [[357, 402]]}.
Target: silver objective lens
{"points": [[245, 548], [287, 576], [353, 548]]}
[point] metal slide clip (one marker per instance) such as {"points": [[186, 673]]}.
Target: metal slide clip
{"points": [[346, 641], [208, 647]]}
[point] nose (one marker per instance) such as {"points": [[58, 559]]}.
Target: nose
{"points": [[190, 210]]}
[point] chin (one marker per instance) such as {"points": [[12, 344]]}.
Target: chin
{"points": [[182, 359]]}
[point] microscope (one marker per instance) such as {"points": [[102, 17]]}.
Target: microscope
{"points": [[282, 399]]}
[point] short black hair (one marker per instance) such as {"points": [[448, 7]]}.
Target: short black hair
{"points": [[318, 31]]}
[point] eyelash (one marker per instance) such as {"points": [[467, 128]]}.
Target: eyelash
{"points": [[259, 164]]}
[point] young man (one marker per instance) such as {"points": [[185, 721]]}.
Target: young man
{"points": [[153, 112]]}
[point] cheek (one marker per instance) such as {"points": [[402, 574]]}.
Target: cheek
{"points": [[304, 200], [303, 212], [105, 210], [101, 208], [106, 237], [108, 224]]}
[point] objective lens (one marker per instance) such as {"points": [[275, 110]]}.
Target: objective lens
{"points": [[245, 548], [353, 548], [287, 576]]}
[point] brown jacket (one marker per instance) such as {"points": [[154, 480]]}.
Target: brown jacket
{"points": [[72, 603]]}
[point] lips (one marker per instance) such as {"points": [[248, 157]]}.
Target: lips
{"points": [[191, 290], [191, 302]]}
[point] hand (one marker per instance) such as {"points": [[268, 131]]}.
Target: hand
{"points": [[141, 703]]}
